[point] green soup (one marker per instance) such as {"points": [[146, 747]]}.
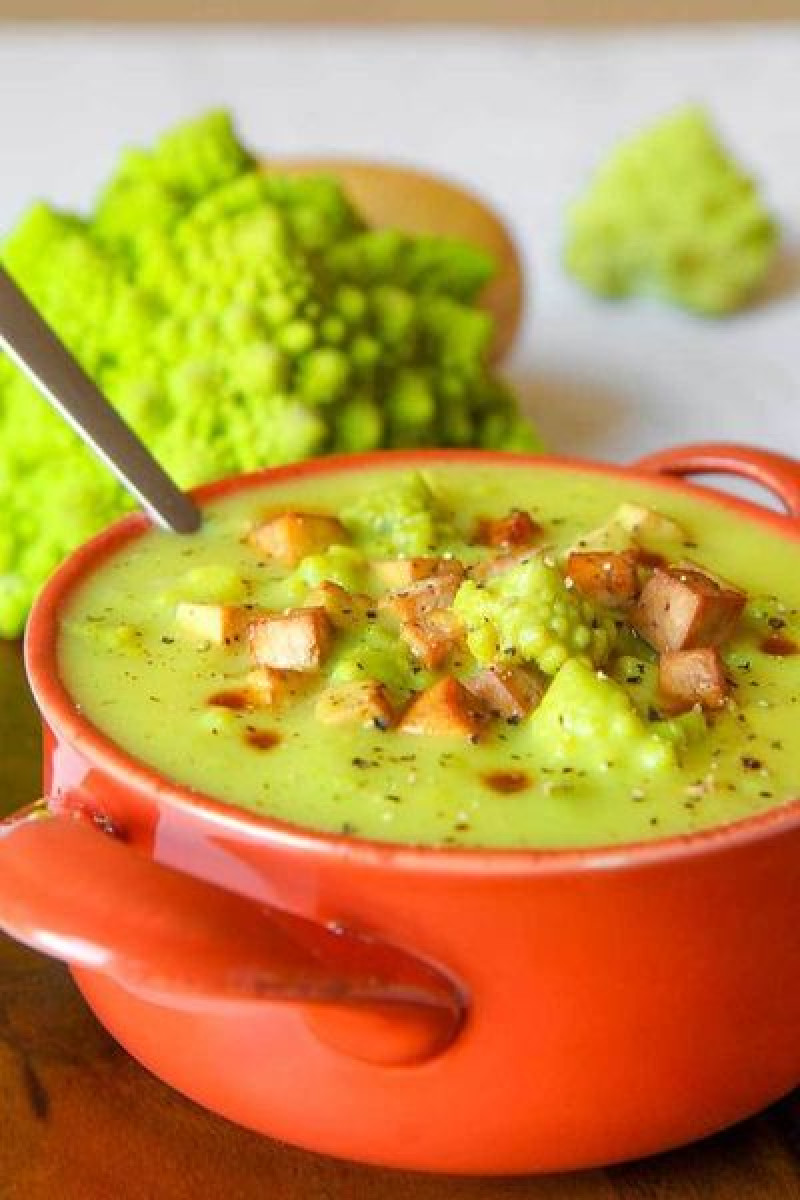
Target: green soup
{"points": [[598, 761]]}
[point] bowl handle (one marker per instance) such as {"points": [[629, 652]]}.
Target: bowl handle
{"points": [[78, 893], [776, 472]]}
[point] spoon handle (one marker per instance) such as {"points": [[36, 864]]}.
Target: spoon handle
{"points": [[31, 343]]}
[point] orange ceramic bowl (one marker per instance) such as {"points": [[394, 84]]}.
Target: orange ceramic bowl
{"points": [[450, 1010]]}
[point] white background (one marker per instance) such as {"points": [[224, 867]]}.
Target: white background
{"points": [[522, 116]]}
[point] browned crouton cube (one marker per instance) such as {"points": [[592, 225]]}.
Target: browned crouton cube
{"points": [[294, 641], [420, 598], [446, 709], [433, 636], [607, 578], [682, 609], [693, 677], [490, 567], [363, 703], [217, 623], [269, 688], [508, 692], [398, 573], [344, 608], [514, 531], [290, 536]]}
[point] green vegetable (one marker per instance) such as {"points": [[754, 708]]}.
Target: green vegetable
{"points": [[339, 564], [586, 722], [404, 519], [670, 213], [376, 652], [528, 614], [236, 319]]}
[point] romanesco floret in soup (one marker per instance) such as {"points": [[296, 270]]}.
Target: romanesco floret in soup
{"points": [[587, 721], [529, 614], [342, 565], [671, 213], [237, 319], [405, 518]]}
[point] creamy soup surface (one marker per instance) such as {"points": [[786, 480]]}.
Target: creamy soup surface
{"points": [[517, 708]]}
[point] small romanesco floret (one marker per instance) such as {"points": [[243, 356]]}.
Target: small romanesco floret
{"points": [[237, 319], [376, 653], [528, 614], [342, 565], [587, 722], [405, 519], [670, 213]]}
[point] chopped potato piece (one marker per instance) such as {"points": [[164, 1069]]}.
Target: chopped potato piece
{"points": [[508, 692], [344, 608], [631, 527], [291, 536], [295, 641], [217, 623], [514, 531], [445, 709], [607, 578], [433, 636], [693, 677], [683, 609], [363, 703], [423, 597], [647, 523]]}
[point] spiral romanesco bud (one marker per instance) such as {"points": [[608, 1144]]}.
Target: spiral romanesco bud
{"points": [[528, 614], [670, 213], [236, 319]]}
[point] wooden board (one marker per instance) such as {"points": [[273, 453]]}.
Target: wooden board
{"points": [[373, 12], [82, 1121]]}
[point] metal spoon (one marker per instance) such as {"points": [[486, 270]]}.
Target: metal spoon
{"points": [[52, 369]]}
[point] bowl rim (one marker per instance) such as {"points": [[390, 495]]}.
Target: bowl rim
{"points": [[63, 717]]}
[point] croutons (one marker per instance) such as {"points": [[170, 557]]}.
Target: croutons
{"points": [[606, 577], [397, 573], [446, 709], [433, 636], [290, 536], [490, 567], [294, 641], [363, 703], [217, 623], [691, 677], [508, 692], [423, 597], [684, 609], [344, 608], [514, 531], [400, 573]]}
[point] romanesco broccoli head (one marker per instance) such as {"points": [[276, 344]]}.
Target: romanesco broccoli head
{"points": [[237, 319], [528, 614], [670, 213]]}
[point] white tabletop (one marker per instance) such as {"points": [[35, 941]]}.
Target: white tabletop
{"points": [[523, 116]]}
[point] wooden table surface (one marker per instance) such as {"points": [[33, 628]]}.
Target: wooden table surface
{"points": [[82, 1121], [599, 13]]}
